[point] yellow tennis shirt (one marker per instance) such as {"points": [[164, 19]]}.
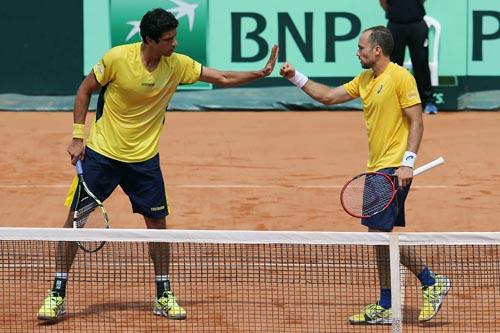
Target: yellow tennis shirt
{"points": [[384, 98], [128, 126]]}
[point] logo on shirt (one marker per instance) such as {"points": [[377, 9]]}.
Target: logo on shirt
{"points": [[380, 89], [100, 68], [146, 84], [412, 94]]}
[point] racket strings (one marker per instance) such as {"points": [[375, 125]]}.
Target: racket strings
{"points": [[86, 216], [377, 194], [368, 194]]}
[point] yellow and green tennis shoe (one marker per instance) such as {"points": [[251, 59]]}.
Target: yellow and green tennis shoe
{"points": [[433, 297], [167, 306], [52, 308], [373, 314]]}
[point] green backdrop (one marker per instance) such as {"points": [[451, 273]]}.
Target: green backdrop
{"points": [[51, 44]]}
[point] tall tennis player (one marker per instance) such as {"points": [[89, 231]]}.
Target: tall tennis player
{"points": [[136, 83]]}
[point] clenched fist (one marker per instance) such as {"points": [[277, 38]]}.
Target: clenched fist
{"points": [[287, 70]]}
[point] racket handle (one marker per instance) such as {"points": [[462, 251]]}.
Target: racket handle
{"points": [[428, 166], [79, 169]]}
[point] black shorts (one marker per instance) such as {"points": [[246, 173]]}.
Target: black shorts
{"points": [[394, 215], [141, 181]]}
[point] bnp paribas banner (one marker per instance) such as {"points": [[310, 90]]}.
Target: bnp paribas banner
{"points": [[483, 37], [125, 18], [320, 37]]}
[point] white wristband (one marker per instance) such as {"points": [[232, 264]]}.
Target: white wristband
{"points": [[409, 159], [299, 79]]}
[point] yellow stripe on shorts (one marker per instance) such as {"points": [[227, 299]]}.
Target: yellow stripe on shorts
{"points": [[71, 192]]}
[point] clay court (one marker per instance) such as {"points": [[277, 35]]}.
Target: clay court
{"points": [[260, 171]]}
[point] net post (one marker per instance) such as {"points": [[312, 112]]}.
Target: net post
{"points": [[404, 275], [397, 318]]}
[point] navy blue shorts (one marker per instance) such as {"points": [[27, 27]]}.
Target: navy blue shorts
{"points": [[141, 181], [394, 215]]}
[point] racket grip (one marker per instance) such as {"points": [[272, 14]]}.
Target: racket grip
{"points": [[428, 166], [79, 169]]}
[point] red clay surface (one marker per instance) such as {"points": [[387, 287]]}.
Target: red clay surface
{"points": [[262, 171]]}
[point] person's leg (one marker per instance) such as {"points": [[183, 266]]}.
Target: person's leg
{"points": [[416, 264], [384, 272], [160, 255], [166, 303], [399, 33], [101, 180], [64, 257], [409, 259], [384, 222], [144, 185], [379, 312], [52, 308], [418, 44], [435, 287]]}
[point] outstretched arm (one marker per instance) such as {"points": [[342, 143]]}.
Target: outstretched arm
{"points": [[231, 78], [320, 92]]}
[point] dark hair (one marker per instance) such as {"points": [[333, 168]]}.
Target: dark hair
{"points": [[156, 22], [382, 37]]}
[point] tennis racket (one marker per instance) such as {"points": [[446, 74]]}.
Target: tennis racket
{"points": [[89, 212], [370, 193]]}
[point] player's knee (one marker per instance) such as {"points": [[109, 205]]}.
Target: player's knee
{"points": [[155, 223]]}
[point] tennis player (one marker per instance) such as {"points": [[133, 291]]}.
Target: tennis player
{"points": [[393, 117], [136, 83]]}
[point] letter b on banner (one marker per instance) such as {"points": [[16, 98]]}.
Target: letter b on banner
{"points": [[263, 48]]}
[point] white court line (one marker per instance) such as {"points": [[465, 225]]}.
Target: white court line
{"points": [[286, 186], [220, 186], [34, 186]]}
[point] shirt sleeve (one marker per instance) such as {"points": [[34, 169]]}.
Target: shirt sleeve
{"points": [[407, 91], [187, 69], [352, 87], [103, 70]]}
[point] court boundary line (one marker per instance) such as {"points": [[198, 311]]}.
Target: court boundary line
{"points": [[224, 186]]}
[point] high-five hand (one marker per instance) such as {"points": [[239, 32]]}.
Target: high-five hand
{"points": [[268, 69]]}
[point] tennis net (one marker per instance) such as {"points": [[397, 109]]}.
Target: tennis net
{"points": [[247, 281]]}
